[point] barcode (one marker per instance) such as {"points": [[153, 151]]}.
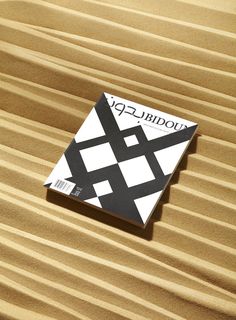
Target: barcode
{"points": [[63, 186]]}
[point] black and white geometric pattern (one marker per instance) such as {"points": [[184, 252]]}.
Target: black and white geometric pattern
{"points": [[122, 171]]}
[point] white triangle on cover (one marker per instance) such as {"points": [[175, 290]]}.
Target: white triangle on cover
{"points": [[155, 123], [61, 170], [153, 133], [94, 201], [91, 128], [168, 158], [146, 204]]}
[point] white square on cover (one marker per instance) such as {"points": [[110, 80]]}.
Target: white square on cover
{"points": [[102, 188], [131, 140], [98, 157], [136, 171]]}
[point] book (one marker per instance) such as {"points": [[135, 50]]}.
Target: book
{"points": [[122, 158]]}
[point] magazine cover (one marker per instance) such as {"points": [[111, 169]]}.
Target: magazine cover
{"points": [[122, 158]]}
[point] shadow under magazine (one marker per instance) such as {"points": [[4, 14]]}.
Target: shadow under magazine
{"points": [[96, 214]]}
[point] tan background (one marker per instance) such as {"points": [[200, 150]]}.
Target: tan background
{"points": [[62, 260]]}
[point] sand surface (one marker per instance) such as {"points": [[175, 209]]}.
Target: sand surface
{"points": [[62, 260]]}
